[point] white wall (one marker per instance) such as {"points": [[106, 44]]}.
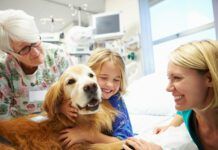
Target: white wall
{"points": [[130, 14], [131, 22]]}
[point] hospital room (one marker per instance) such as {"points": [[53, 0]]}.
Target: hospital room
{"points": [[109, 74]]}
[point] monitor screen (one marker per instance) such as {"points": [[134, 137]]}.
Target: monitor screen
{"points": [[107, 26]]}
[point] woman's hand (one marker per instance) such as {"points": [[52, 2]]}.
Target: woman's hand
{"points": [[158, 130], [72, 136], [177, 121], [68, 110], [139, 144]]}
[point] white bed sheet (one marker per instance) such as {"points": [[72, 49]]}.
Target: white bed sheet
{"points": [[172, 139], [146, 123]]}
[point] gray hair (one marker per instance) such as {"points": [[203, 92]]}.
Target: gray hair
{"points": [[16, 25]]}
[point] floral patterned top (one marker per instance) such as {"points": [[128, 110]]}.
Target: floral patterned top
{"points": [[16, 87]]}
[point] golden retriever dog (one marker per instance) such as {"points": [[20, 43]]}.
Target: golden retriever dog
{"points": [[77, 84]]}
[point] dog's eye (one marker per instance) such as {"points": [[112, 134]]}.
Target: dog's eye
{"points": [[71, 81], [91, 75]]}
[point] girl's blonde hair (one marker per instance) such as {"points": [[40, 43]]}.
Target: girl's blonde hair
{"points": [[202, 56], [16, 25], [102, 55]]}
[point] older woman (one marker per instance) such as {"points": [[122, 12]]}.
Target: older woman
{"points": [[29, 67], [193, 82]]}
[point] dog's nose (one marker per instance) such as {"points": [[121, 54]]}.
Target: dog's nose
{"points": [[90, 88]]}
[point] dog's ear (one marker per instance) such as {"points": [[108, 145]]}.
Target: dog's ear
{"points": [[53, 100]]}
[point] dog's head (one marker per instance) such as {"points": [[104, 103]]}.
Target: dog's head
{"points": [[77, 84]]}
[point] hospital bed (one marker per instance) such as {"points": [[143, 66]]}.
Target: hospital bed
{"points": [[149, 106]]}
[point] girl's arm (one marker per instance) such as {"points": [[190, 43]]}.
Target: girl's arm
{"points": [[71, 136]]}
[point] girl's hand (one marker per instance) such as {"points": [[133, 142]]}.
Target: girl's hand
{"points": [[158, 130], [71, 136], [68, 110], [139, 144]]}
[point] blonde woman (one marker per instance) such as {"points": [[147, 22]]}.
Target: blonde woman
{"points": [[110, 71], [193, 82]]}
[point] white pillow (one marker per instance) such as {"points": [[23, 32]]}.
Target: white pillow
{"points": [[148, 95]]}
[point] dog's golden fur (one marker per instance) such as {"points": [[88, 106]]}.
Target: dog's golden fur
{"points": [[26, 134]]}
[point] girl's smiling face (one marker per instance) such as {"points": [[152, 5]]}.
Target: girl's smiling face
{"points": [[191, 90], [109, 79]]}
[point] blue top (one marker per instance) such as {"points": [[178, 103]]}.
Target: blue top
{"points": [[189, 119], [122, 127]]}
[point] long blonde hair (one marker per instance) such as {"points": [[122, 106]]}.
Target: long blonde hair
{"points": [[102, 55], [201, 56]]}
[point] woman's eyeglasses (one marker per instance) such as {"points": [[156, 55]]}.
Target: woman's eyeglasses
{"points": [[27, 49]]}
